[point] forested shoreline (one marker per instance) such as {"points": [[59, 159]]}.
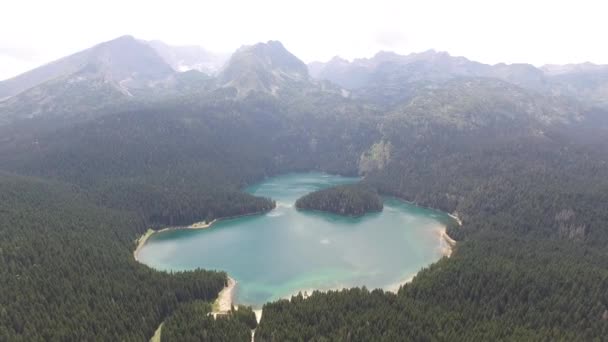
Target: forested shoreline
{"points": [[70, 274], [524, 256], [206, 224], [483, 185], [527, 173]]}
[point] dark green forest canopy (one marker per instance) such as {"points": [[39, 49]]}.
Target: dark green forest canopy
{"points": [[530, 263], [347, 200], [495, 287], [193, 322], [68, 271]]}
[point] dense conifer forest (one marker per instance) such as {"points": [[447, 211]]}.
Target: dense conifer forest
{"points": [[193, 322], [529, 265], [527, 201], [68, 271], [348, 200], [526, 172]]}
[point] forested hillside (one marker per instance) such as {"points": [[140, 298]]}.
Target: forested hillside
{"points": [[525, 170], [68, 271], [494, 288], [529, 265], [92, 188]]}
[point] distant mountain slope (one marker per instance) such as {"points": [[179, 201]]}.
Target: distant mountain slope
{"points": [[126, 69], [265, 67], [487, 143], [128, 58], [388, 77], [118, 59], [341, 72], [109, 72], [63, 66], [64, 97], [586, 81], [429, 65], [190, 57], [483, 103]]}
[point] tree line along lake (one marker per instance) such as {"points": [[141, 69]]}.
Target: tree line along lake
{"points": [[285, 251]]}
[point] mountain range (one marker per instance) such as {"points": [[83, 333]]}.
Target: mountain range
{"points": [[101, 145], [127, 70], [388, 72]]}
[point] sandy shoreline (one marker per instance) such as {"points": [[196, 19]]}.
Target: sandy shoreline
{"points": [[222, 305], [142, 239], [157, 333], [447, 243], [394, 288], [455, 217], [225, 298]]}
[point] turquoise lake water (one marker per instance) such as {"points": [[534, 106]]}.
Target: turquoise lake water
{"points": [[285, 251]]}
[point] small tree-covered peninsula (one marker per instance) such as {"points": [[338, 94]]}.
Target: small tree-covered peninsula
{"points": [[346, 200]]}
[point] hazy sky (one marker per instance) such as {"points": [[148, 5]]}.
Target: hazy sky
{"points": [[538, 32]]}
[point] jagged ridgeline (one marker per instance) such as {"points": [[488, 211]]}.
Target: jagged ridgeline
{"points": [[347, 200], [101, 145]]}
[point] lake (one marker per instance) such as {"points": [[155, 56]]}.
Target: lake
{"points": [[279, 253]]}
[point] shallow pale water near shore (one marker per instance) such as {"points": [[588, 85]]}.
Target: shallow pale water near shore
{"points": [[284, 251]]}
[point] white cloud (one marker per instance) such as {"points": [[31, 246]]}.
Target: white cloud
{"points": [[10, 65], [489, 31]]}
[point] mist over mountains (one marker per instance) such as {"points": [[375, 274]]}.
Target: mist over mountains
{"points": [[127, 67], [102, 145]]}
